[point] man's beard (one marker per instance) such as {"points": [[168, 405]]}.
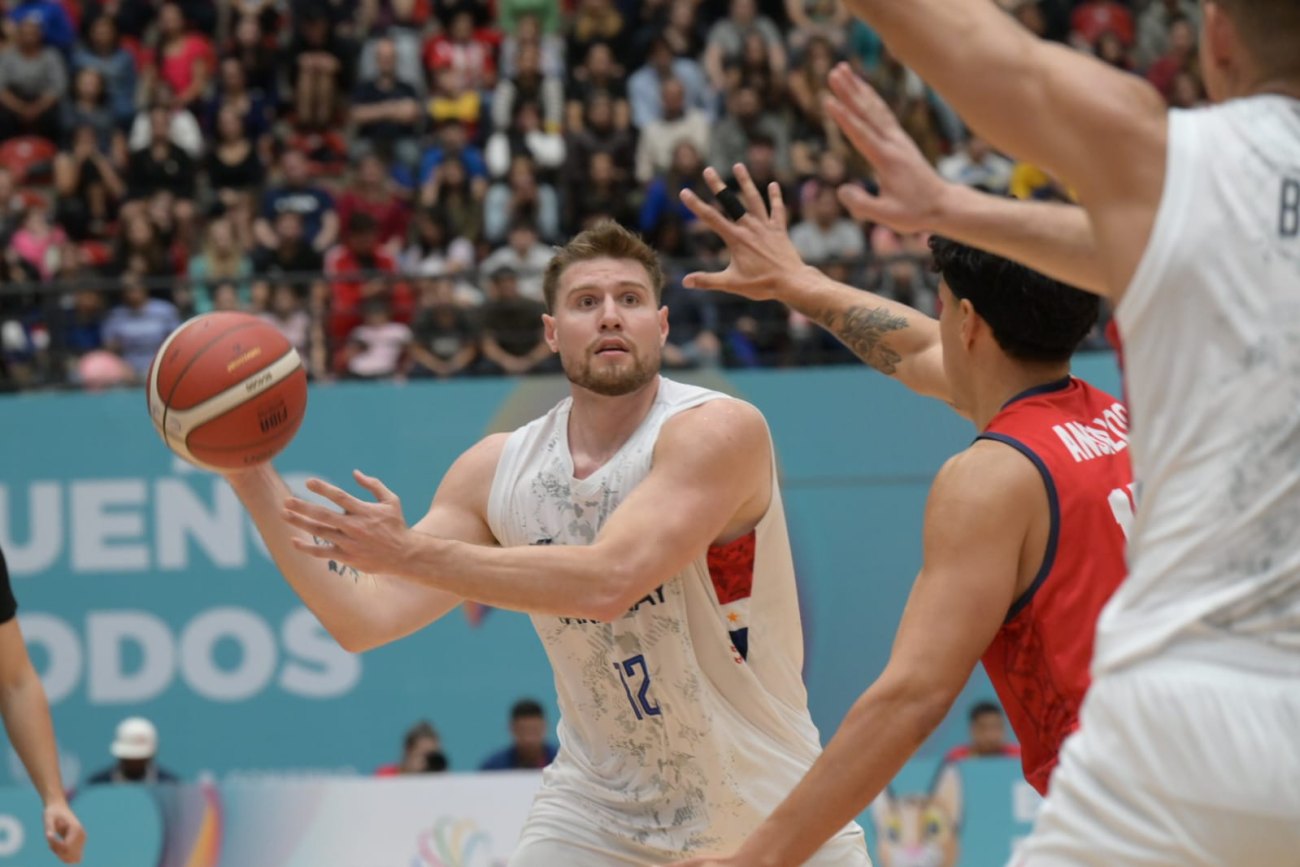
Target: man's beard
{"points": [[611, 381]]}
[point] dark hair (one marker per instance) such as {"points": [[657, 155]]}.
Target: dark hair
{"points": [[360, 223], [984, 708], [526, 708], [1269, 30], [1033, 317], [422, 729]]}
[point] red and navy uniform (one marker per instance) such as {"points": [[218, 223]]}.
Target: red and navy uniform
{"points": [[1077, 438]]}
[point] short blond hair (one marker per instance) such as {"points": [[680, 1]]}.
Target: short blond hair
{"points": [[605, 240]]}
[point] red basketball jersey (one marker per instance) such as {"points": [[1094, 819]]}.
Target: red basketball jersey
{"points": [[1077, 438]]}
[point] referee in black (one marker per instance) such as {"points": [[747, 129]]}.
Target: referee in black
{"points": [[26, 716]]}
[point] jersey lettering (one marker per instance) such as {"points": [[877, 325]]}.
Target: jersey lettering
{"points": [[1288, 223], [1122, 501], [634, 671]]}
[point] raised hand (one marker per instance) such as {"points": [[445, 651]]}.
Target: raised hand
{"points": [[762, 254], [911, 192]]}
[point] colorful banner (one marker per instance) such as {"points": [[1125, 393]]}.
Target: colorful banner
{"points": [[971, 817], [143, 588]]}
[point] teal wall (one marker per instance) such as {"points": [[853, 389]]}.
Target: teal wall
{"points": [[143, 588]]}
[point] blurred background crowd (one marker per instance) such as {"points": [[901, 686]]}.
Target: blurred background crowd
{"points": [[384, 179]]}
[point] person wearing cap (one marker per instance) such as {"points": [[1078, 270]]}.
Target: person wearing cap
{"points": [[26, 715], [135, 746]]}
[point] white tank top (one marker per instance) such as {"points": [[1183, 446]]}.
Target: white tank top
{"points": [[1211, 332], [684, 722]]}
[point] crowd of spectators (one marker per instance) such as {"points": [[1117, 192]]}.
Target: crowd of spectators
{"points": [[134, 750], [384, 179]]}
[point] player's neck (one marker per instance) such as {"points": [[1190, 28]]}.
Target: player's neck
{"points": [[1276, 87], [599, 425], [993, 392]]}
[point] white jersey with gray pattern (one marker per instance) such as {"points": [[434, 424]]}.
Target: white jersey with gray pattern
{"points": [[1211, 331], [671, 736]]}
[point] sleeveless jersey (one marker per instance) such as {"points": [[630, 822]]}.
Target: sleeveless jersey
{"points": [[1076, 436], [1211, 329], [684, 722]]}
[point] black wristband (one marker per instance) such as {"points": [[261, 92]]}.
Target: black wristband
{"points": [[730, 203]]}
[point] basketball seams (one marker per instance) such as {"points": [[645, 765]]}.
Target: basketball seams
{"points": [[210, 430], [224, 401], [155, 398], [180, 377], [253, 444], [201, 351]]}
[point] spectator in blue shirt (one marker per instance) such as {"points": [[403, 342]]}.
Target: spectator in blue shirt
{"points": [[103, 52], [644, 87], [56, 27], [136, 328], [530, 749], [451, 143], [320, 221]]}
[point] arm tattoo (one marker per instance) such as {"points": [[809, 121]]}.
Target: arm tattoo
{"points": [[344, 569], [862, 329], [339, 568]]}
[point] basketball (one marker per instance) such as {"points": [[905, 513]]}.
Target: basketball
{"points": [[226, 391]]}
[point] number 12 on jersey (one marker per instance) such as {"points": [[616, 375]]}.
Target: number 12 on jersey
{"points": [[636, 683]]}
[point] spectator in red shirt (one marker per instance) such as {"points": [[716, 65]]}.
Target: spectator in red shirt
{"points": [[359, 255], [469, 51], [1180, 57], [1094, 17], [183, 61], [988, 736], [371, 192]]}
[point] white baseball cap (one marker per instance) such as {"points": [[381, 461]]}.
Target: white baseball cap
{"points": [[136, 739]]}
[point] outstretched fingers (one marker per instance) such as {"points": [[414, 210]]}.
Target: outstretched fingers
{"points": [[708, 215], [780, 218], [334, 494], [749, 193], [375, 487]]}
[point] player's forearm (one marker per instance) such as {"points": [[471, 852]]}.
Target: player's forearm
{"points": [[891, 337], [27, 720], [562, 580], [1051, 237], [882, 730], [968, 50], [359, 609]]}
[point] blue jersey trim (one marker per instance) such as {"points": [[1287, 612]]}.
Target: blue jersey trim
{"points": [[740, 638], [1054, 510], [1045, 388]]}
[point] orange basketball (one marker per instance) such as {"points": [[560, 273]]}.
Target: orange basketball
{"points": [[226, 391]]}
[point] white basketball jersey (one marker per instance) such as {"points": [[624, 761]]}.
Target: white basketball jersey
{"points": [[684, 722], [1211, 331]]}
